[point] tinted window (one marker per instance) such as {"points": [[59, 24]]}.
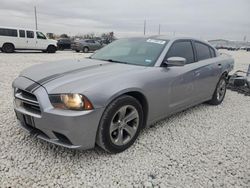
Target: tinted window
{"points": [[22, 33], [30, 34], [212, 52], [182, 49], [90, 41], [40, 35], [8, 32], [203, 51]]}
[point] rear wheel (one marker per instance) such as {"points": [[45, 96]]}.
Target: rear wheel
{"points": [[120, 124], [51, 49], [8, 48], [77, 51], [220, 92], [85, 50]]}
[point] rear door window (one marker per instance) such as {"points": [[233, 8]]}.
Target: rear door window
{"points": [[30, 34], [182, 49], [22, 33], [203, 51], [8, 32]]}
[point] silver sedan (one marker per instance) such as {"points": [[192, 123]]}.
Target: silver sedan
{"points": [[109, 98]]}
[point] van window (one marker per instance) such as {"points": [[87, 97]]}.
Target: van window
{"points": [[203, 51], [30, 34], [22, 33], [40, 35], [8, 32]]}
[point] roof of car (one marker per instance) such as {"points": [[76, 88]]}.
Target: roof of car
{"points": [[167, 37], [18, 28]]}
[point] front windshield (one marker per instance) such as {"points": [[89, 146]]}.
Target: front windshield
{"points": [[137, 51]]}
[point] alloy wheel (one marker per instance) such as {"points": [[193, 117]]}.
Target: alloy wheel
{"points": [[221, 90], [124, 125]]}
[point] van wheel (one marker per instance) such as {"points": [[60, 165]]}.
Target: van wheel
{"points": [[85, 50], [8, 48], [51, 49], [120, 124]]}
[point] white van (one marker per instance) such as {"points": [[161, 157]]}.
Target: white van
{"points": [[12, 39]]}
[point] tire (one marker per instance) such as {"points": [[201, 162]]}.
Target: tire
{"points": [[220, 91], [8, 48], [114, 117], [85, 49], [51, 49], [77, 51]]}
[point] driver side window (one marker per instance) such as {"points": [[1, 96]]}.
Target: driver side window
{"points": [[40, 35], [181, 49]]}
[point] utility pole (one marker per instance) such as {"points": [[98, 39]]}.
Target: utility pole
{"points": [[35, 18], [144, 27], [159, 29]]}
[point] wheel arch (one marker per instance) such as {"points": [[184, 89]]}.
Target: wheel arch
{"points": [[139, 96], [8, 43], [51, 45], [85, 47]]}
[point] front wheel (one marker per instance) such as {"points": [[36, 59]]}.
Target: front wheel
{"points": [[51, 49], [220, 92], [85, 50], [120, 124], [8, 48]]}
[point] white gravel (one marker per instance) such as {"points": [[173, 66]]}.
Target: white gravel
{"points": [[205, 146]]}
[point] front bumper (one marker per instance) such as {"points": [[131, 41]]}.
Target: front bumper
{"points": [[71, 129]]}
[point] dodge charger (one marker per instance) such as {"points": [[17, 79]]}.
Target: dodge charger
{"points": [[108, 98]]}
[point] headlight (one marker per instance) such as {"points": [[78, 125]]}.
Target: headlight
{"points": [[70, 102]]}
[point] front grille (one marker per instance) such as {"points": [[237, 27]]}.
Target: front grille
{"points": [[28, 101]]}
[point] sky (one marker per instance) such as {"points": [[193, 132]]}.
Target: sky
{"points": [[206, 19]]}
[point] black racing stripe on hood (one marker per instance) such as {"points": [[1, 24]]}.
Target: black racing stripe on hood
{"points": [[32, 86], [47, 79], [36, 85]]}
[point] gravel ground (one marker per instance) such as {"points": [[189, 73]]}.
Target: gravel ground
{"points": [[204, 146]]}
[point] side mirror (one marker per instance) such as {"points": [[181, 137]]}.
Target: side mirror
{"points": [[176, 61]]}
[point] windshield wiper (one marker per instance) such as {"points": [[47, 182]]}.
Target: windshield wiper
{"points": [[115, 61]]}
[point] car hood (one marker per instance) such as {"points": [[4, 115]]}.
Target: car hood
{"points": [[68, 76]]}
